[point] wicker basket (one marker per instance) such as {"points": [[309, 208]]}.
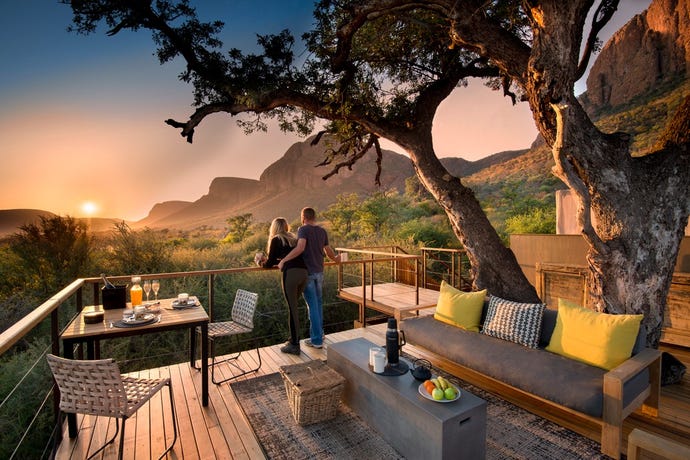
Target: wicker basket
{"points": [[313, 391]]}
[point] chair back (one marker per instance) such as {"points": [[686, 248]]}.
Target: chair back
{"points": [[92, 387], [244, 307]]}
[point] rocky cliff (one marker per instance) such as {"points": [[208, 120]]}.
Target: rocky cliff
{"points": [[298, 168], [286, 186], [295, 181], [652, 48]]}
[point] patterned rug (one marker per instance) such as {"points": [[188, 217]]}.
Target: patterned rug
{"points": [[512, 433]]}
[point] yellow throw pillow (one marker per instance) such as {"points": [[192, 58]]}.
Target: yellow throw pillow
{"points": [[599, 339], [458, 308]]}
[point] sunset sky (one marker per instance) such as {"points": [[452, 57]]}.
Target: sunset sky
{"points": [[82, 117]]}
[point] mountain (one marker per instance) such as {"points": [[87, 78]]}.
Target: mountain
{"points": [[636, 82], [284, 188], [651, 49], [462, 168], [12, 219], [295, 181], [644, 65]]}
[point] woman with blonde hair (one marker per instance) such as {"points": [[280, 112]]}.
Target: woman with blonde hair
{"points": [[294, 275]]}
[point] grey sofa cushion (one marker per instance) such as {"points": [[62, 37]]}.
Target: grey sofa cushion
{"points": [[564, 381]]}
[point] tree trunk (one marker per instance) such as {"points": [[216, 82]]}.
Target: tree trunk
{"points": [[633, 211], [493, 265]]}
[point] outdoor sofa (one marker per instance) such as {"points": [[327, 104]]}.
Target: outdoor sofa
{"points": [[584, 397]]}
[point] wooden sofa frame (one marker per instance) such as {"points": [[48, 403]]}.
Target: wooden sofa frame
{"points": [[607, 430]]}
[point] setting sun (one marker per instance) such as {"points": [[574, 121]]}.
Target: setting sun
{"points": [[89, 208]]}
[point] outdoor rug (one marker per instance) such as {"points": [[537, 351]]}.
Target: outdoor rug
{"points": [[512, 433]]}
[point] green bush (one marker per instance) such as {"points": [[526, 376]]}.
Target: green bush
{"points": [[428, 232], [536, 220]]}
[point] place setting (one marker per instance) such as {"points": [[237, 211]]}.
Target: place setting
{"points": [[184, 301], [139, 316]]}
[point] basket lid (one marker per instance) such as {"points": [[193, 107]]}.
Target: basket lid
{"points": [[311, 376]]}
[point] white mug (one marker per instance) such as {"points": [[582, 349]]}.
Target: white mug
{"points": [[379, 362], [372, 353]]}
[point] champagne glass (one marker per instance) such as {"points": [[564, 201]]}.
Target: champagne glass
{"points": [[147, 289], [155, 285]]}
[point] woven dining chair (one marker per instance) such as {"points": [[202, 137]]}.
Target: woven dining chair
{"points": [[96, 387], [241, 322]]}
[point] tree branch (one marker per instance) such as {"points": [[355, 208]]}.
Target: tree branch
{"points": [[372, 140], [601, 17], [196, 118]]}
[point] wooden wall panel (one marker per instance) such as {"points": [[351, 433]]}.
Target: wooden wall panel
{"points": [[554, 281]]}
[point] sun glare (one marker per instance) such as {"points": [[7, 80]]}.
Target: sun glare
{"points": [[89, 208]]}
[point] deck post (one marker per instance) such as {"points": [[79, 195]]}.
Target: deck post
{"points": [[363, 304]]}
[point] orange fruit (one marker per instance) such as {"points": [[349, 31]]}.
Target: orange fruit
{"points": [[429, 386]]}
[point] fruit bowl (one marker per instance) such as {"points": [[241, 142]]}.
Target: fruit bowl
{"points": [[422, 391]]}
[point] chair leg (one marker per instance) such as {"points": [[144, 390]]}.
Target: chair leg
{"points": [[231, 361], [117, 430], [122, 440], [174, 417]]}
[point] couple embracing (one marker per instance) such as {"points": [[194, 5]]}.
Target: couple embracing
{"points": [[301, 260]]}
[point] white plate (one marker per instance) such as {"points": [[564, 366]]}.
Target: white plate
{"points": [[192, 302], [423, 392], [147, 318]]}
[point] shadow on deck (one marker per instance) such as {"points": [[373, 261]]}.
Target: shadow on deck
{"points": [[220, 431]]}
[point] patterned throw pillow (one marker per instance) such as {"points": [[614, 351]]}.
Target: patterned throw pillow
{"points": [[514, 321]]}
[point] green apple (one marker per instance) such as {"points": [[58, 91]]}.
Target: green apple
{"points": [[450, 393], [437, 394]]}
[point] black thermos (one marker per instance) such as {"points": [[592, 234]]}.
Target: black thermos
{"points": [[392, 342]]}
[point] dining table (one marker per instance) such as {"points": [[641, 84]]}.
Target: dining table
{"points": [[162, 315]]}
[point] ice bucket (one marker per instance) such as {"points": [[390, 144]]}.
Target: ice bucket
{"points": [[114, 297]]}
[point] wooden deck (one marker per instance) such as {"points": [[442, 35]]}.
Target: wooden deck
{"points": [[220, 431], [392, 299]]}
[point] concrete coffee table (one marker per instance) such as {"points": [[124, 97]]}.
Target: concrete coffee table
{"points": [[416, 427]]}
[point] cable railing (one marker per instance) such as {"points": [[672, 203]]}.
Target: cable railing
{"points": [[31, 433], [368, 267], [449, 265], [388, 281], [23, 346]]}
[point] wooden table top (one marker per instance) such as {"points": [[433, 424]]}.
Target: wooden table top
{"points": [[170, 319]]}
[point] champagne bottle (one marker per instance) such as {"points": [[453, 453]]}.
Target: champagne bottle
{"points": [[107, 284]]}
